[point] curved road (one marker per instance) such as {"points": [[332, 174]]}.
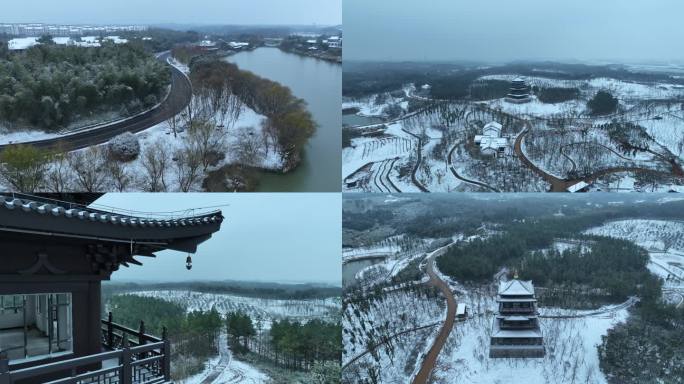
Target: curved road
{"points": [[177, 100], [452, 168], [431, 359]]}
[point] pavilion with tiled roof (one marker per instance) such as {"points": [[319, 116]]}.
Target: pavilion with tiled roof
{"points": [[55, 256]]}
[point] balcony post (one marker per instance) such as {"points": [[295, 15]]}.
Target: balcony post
{"points": [[110, 331], [167, 355], [126, 367], [141, 333], [4, 369]]}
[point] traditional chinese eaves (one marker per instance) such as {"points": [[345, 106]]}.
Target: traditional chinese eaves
{"points": [[50, 237]]}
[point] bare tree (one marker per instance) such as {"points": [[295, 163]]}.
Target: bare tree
{"points": [[248, 147], [89, 167], [59, 175], [208, 141], [155, 161], [188, 163], [120, 177]]}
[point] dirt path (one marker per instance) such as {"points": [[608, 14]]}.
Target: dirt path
{"points": [[431, 358], [420, 158], [557, 185], [562, 185]]}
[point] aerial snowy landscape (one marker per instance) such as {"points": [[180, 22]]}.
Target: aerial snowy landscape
{"points": [[162, 109], [421, 296], [615, 130], [255, 356]]}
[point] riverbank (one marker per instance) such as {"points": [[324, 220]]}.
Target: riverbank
{"points": [[325, 56], [319, 169]]}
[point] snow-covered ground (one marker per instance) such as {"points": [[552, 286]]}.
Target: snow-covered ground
{"points": [[394, 316], [571, 353], [268, 310], [223, 369], [621, 89], [385, 161]]}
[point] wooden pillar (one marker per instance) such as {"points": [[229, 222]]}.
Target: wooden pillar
{"points": [[166, 366], [110, 331], [126, 357], [4, 369], [141, 333]]}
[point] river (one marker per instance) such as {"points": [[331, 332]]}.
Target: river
{"points": [[319, 83]]}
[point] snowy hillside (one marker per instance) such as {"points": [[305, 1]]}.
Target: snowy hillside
{"points": [[266, 309]]}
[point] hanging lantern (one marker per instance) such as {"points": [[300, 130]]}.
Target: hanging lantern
{"points": [[188, 262]]}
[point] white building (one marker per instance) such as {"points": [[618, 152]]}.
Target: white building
{"points": [[334, 42], [490, 141], [238, 45]]}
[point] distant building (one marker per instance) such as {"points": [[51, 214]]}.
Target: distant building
{"points": [[515, 331], [490, 141], [65, 30], [519, 93], [334, 42], [238, 45], [23, 43]]}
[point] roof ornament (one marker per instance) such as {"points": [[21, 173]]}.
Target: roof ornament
{"points": [[188, 262]]}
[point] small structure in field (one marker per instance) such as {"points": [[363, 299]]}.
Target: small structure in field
{"points": [[461, 312], [516, 332]]}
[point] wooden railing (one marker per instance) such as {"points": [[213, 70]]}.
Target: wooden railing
{"points": [[133, 357]]}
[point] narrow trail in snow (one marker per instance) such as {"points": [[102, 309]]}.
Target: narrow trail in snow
{"points": [[433, 354]]}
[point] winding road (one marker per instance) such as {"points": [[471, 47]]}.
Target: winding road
{"points": [[175, 102], [452, 168], [431, 358]]}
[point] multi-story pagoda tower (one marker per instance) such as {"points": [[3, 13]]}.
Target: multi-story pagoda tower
{"points": [[515, 332], [519, 93]]}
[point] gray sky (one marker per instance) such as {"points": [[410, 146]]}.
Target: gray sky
{"points": [[236, 12], [271, 237], [504, 30]]}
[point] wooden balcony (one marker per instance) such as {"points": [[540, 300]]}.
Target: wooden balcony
{"points": [[129, 357]]}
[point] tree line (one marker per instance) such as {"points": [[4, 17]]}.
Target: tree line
{"points": [[616, 267], [50, 87], [289, 124], [289, 344]]}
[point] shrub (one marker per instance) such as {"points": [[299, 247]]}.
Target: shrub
{"points": [[124, 147]]}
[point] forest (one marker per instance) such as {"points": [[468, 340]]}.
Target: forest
{"points": [[50, 87], [648, 348], [292, 345], [616, 267]]}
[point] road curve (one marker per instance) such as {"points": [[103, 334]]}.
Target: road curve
{"points": [[557, 185], [177, 100], [431, 358], [452, 168]]}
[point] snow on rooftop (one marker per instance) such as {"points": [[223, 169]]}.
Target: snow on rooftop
{"points": [[460, 308], [22, 43], [116, 39], [494, 125], [238, 44], [516, 287], [577, 187]]}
